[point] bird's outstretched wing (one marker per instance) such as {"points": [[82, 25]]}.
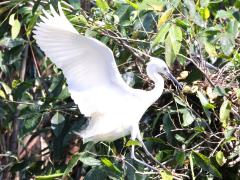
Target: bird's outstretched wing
{"points": [[88, 64]]}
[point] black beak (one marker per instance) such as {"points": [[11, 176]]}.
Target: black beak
{"points": [[174, 80]]}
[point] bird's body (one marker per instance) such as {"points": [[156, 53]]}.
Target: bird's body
{"points": [[124, 113], [114, 109]]}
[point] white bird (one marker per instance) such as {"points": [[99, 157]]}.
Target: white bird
{"points": [[114, 109]]}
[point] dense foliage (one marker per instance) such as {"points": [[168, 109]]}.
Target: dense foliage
{"points": [[194, 132]]}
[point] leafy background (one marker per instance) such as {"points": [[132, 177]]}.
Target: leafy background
{"points": [[194, 133]]}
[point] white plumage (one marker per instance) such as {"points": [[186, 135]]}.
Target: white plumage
{"points": [[95, 84]]}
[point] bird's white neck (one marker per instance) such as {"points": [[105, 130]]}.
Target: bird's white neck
{"points": [[156, 92]]}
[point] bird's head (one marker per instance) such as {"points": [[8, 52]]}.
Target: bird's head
{"points": [[157, 65]]}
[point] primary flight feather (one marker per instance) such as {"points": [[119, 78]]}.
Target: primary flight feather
{"points": [[114, 109]]}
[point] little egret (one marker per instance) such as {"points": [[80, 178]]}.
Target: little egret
{"points": [[114, 109]]}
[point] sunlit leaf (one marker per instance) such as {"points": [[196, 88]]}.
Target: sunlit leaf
{"points": [[205, 13], [192, 166], [16, 26], [221, 160], [133, 143], [166, 175], [132, 4], [211, 50], [188, 118], [2, 94], [165, 17], [6, 88], [103, 5], [225, 111], [204, 101], [49, 177]]}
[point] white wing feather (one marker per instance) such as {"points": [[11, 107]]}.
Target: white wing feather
{"points": [[88, 65]]}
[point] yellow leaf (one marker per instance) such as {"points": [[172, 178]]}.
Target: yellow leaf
{"points": [[165, 17], [2, 94], [166, 175], [205, 13]]}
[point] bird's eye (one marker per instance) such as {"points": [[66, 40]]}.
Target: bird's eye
{"points": [[164, 68]]}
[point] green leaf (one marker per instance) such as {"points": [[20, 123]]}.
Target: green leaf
{"points": [[204, 101], [220, 91], [225, 111], [179, 138], [223, 14], [205, 163], [182, 23], [20, 89], [166, 175], [84, 157], [75, 3], [110, 165], [227, 43], [173, 44], [156, 5], [211, 50], [57, 123], [88, 160], [103, 5], [160, 37], [188, 118], [202, 98], [180, 158], [72, 163], [133, 143], [30, 122], [204, 3], [175, 33], [232, 29], [221, 160], [80, 19], [35, 7], [96, 173], [134, 5]]}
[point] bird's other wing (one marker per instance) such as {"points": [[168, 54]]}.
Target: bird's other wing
{"points": [[88, 64]]}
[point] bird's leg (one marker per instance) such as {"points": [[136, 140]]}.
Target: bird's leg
{"points": [[141, 162], [133, 137], [148, 153]]}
